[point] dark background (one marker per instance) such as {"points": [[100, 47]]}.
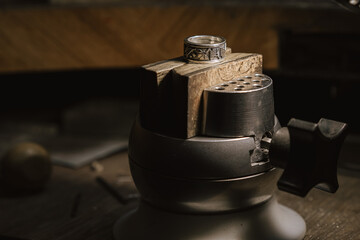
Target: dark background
{"points": [[314, 62]]}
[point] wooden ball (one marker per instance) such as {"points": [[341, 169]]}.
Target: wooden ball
{"points": [[25, 166]]}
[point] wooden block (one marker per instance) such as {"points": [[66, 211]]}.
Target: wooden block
{"points": [[171, 91], [156, 112]]}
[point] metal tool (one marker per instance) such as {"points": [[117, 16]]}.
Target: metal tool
{"points": [[220, 184], [351, 5]]}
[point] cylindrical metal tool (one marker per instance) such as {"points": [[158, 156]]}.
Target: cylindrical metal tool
{"points": [[242, 107]]}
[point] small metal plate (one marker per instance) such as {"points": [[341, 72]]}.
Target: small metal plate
{"points": [[252, 82]]}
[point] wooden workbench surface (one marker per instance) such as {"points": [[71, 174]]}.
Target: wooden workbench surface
{"points": [[75, 206]]}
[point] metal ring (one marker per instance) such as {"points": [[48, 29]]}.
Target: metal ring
{"points": [[204, 48]]}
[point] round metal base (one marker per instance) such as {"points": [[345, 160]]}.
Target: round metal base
{"points": [[268, 221]]}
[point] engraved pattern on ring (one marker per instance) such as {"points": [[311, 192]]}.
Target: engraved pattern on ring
{"points": [[204, 54]]}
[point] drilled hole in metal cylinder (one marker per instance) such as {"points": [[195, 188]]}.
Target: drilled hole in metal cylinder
{"points": [[257, 85], [220, 88], [238, 89], [224, 85], [232, 82], [258, 75], [256, 80], [248, 77], [246, 83], [241, 80]]}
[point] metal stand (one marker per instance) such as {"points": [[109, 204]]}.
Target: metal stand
{"points": [[219, 184], [268, 221]]}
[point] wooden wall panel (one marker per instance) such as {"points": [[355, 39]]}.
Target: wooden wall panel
{"points": [[47, 38]]}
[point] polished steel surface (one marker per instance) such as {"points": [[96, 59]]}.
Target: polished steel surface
{"points": [[200, 174], [268, 221], [204, 48], [242, 107], [199, 157], [203, 196]]}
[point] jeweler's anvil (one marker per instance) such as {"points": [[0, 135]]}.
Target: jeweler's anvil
{"points": [[206, 149]]}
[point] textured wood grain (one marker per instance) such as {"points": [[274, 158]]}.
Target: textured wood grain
{"points": [[330, 216], [127, 36], [47, 215], [171, 93], [156, 99], [49, 38]]}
